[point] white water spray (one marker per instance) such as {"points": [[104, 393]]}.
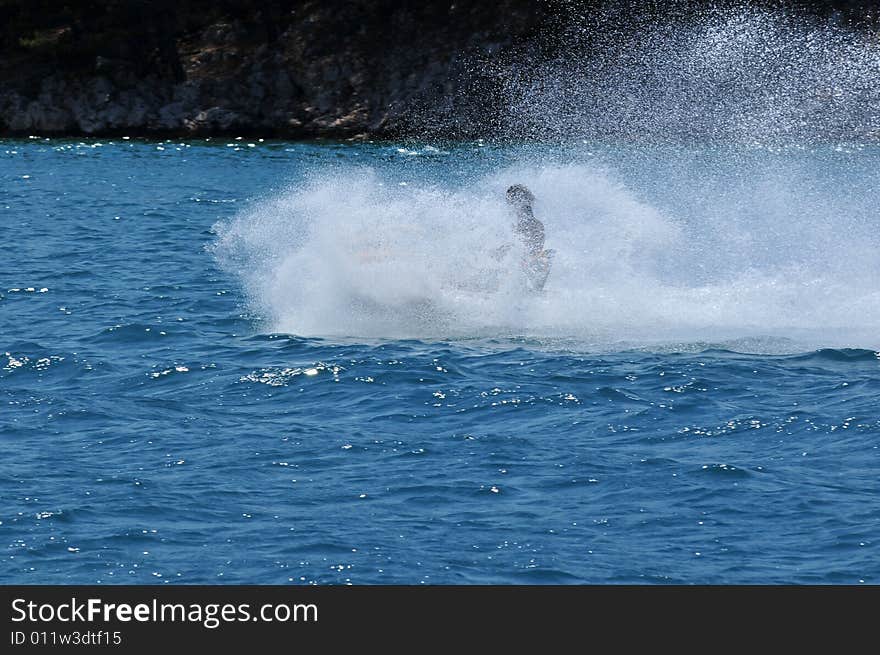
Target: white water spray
{"points": [[771, 236], [353, 254]]}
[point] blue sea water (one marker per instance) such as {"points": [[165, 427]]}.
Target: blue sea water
{"points": [[261, 362]]}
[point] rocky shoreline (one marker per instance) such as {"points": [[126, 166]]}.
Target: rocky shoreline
{"points": [[315, 69], [279, 69]]}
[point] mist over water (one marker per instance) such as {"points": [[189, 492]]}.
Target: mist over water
{"points": [[714, 183], [744, 75]]}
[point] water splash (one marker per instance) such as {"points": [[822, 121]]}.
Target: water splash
{"points": [[713, 178], [351, 253], [745, 75]]}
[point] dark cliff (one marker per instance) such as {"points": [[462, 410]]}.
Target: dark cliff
{"points": [[274, 67]]}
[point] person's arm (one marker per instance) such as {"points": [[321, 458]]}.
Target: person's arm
{"points": [[499, 253], [533, 236]]}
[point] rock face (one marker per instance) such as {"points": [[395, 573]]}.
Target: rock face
{"points": [[296, 69]]}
